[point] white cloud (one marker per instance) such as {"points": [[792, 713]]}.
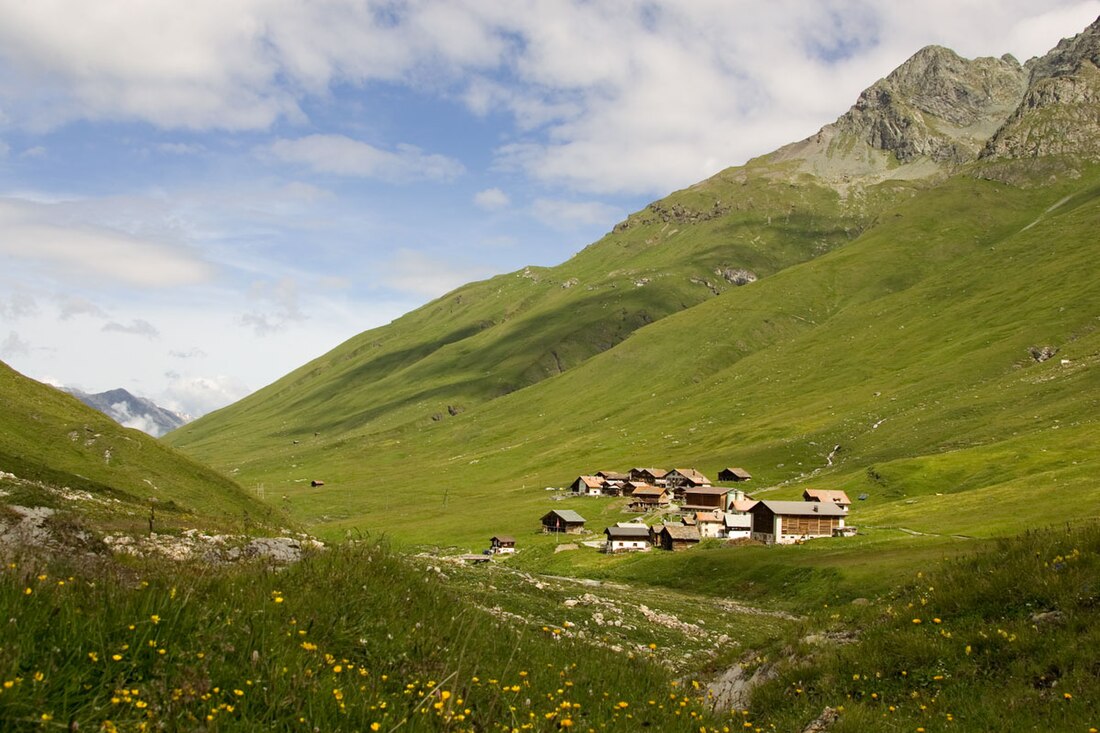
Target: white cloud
{"points": [[197, 395], [344, 156], [71, 306], [567, 215], [18, 305], [180, 148], [56, 236], [491, 199], [282, 307], [136, 327], [424, 274], [193, 353], [14, 345]]}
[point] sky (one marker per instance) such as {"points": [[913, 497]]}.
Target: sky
{"points": [[197, 198]]}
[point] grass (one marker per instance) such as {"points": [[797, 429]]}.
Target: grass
{"points": [[999, 640], [349, 639]]}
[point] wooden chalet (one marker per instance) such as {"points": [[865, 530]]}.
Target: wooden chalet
{"points": [[710, 524], [706, 498], [786, 522], [502, 544], [563, 520], [734, 474], [587, 486], [628, 538], [647, 497], [681, 479], [652, 476], [677, 537], [613, 476], [828, 495]]}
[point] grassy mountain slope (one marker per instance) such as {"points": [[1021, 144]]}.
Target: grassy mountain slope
{"points": [[908, 347], [49, 441], [491, 338], [895, 318]]}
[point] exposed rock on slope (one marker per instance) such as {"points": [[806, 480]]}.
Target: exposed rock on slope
{"points": [[934, 111], [1060, 113]]}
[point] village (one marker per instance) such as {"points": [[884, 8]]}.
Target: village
{"points": [[698, 509]]}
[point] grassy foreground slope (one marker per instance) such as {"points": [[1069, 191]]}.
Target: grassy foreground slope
{"points": [[57, 452], [908, 347]]}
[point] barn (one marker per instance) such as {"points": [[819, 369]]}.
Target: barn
{"points": [[563, 520], [786, 522]]}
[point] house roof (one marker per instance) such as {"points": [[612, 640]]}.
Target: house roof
{"points": [[708, 490], [612, 475], [708, 516], [681, 532], [566, 515], [692, 475], [654, 472], [742, 505], [647, 490], [504, 538], [592, 482], [637, 532], [738, 472], [801, 508], [834, 495]]}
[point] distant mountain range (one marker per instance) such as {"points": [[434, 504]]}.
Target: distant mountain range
{"points": [[131, 411]]}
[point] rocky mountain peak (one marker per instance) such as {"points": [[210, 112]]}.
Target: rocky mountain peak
{"points": [[1060, 112]]}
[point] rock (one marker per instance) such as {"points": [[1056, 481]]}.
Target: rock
{"points": [[824, 722], [736, 275], [1048, 618], [732, 690], [1042, 353], [281, 550]]}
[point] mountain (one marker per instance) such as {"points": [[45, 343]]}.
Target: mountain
{"points": [[56, 452], [132, 412], [893, 285]]}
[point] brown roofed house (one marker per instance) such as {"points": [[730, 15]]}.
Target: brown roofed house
{"points": [[587, 486], [502, 544], [677, 537], [655, 476], [834, 495], [734, 474], [650, 497]]}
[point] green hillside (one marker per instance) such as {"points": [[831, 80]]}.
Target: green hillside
{"points": [[58, 453], [908, 294], [908, 347]]}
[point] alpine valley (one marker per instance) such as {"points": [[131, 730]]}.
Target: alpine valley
{"points": [[903, 307]]}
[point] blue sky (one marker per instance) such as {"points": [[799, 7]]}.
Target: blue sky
{"points": [[195, 198]]}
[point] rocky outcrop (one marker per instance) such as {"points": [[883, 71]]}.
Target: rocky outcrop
{"points": [[1060, 112]]}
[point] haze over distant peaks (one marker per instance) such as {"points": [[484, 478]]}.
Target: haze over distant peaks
{"points": [[131, 411]]}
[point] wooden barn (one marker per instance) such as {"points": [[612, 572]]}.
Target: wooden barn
{"points": [[734, 474], [563, 520], [631, 538], [502, 544], [677, 537], [786, 522], [705, 498]]}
